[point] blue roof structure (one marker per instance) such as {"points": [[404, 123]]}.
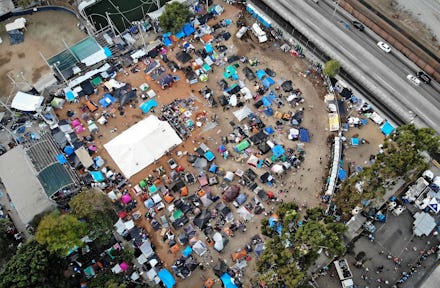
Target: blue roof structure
{"points": [[187, 251], [304, 135], [166, 278], [188, 29], [267, 82], [227, 281], [387, 128], [148, 105], [107, 100], [209, 156], [278, 151], [260, 74], [97, 176]]}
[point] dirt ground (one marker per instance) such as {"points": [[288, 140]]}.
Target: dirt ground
{"points": [[408, 22], [44, 33], [304, 185]]}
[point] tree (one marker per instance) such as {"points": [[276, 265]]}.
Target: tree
{"points": [[107, 279], [174, 17], [332, 68], [96, 209], [33, 266], [8, 245], [60, 233]]}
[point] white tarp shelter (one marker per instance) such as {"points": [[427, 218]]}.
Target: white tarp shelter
{"points": [[19, 23], [26, 102], [242, 113], [142, 144], [84, 157], [424, 224]]}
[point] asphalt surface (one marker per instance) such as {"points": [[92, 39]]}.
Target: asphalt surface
{"points": [[383, 74]]}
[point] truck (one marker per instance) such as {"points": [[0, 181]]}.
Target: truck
{"points": [[344, 273], [261, 35]]}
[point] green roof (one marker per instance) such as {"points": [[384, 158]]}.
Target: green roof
{"points": [[53, 178]]}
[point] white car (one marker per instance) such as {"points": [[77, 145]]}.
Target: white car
{"points": [[413, 79], [384, 46]]}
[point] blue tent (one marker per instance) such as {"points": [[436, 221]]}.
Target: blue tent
{"points": [[266, 101], [227, 281], [61, 159], [107, 100], [180, 35], [209, 48], [97, 176], [268, 111], [278, 151], [213, 168], [70, 96], [387, 128], [355, 141], [342, 175], [148, 105], [260, 74], [304, 135], [69, 150], [187, 251], [269, 130], [188, 29], [209, 156], [107, 52], [149, 203], [267, 82], [272, 95], [166, 278], [167, 41]]}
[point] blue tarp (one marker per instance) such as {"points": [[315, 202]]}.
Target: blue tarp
{"points": [[387, 128], [209, 48], [272, 95], [107, 52], [180, 35], [188, 251], [166, 278], [61, 159], [97, 176], [355, 141], [266, 101], [69, 150], [167, 41], [107, 100], [148, 105], [304, 135], [268, 111], [209, 156], [342, 175], [267, 82], [188, 29], [278, 151], [260, 74], [227, 281], [213, 168], [269, 130]]}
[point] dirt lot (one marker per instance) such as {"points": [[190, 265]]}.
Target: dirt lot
{"points": [[409, 22], [44, 33], [303, 185]]}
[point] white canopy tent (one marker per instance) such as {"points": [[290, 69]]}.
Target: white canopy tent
{"points": [[142, 144], [242, 113], [26, 102]]}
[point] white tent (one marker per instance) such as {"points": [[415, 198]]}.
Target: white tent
{"points": [[26, 102], [218, 239], [424, 224], [200, 248], [84, 157], [242, 113], [142, 144], [244, 213], [19, 23], [146, 248]]}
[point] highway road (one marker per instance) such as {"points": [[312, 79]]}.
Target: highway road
{"points": [[383, 74]]}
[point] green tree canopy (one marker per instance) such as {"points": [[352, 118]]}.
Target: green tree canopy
{"points": [[332, 68], [8, 245], [33, 266], [60, 233], [174, 17], [107, 279], [96, 209]]}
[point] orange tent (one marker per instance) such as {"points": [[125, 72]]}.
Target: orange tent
{"points": [[207, 38], [184, 191], [209, 283], [239, 254], [168, 198], [174, 249], [201, 193]]}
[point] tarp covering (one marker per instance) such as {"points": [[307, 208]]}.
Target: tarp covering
{"points": [[97, 176], [142, 144], [268, 82], [166, 278], [304, 135], [148, 105], [277, 151], [26, 102], [227, 281], [387, 128], [107, 100], [84, 157]]}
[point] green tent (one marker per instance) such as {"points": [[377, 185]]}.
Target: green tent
{"points": [[242, 146], [152, 189], [96, 81], [143, 184], [177, 214]]}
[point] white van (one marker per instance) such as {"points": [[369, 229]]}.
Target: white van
{"points": [[241, 32], [261, 35]]}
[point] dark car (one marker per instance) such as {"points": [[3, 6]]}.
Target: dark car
{"points": [[358, 25], [422, 76]]}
